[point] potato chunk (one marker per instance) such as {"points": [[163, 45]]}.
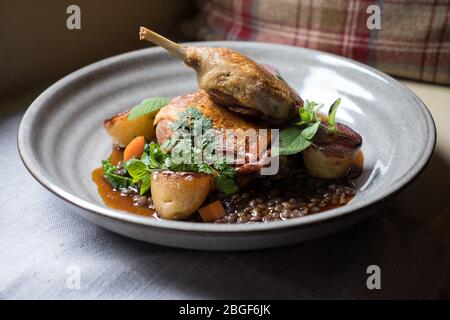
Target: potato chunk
{"points": [[122, 130], [177, 195]]}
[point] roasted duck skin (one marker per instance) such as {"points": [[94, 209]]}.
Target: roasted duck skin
{"points": [[235, 81], [221, 119]]}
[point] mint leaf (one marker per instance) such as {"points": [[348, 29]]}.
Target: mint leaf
{"points": [[140, 173], [147, 106], [292, 141], [332, 115], [137, 169], [145, 185], [308, 112], [309, 132], [295, 139]]}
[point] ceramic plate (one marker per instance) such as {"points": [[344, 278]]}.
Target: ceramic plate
{"points": [[61, 138]]}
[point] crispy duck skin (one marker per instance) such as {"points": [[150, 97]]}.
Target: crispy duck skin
{"points": [[235, 81], [221, 119]]}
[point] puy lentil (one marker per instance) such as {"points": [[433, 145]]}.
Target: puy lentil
{"points": [[335, 201], [315, 209], [282, 199], [288, 206], [292, 198], [141, 201], [242, 219], [278, 207], [286, 214]]}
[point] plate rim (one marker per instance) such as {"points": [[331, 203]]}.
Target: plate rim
{"points": [[319, 218]]}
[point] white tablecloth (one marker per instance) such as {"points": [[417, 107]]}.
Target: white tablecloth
{"points": [[42, 242]]}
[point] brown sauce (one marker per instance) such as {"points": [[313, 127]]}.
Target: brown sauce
{"points": [[112, 198]]}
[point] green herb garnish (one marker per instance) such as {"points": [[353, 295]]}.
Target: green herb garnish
{"points": [[308, 112], [291, 142], [174, 152], [298, 137], [191, 123], [140, 172], [147, 106], [117, 181], [332, 115]]}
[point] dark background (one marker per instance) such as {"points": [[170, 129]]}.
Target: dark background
{"points": [[36, 46]]}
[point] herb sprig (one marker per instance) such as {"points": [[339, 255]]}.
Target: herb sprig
{"points": [[180, 146], [298, 137], [117, 181], [192, 123]]}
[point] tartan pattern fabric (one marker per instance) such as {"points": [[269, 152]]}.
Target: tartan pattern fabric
{"points": [[413, 41]]}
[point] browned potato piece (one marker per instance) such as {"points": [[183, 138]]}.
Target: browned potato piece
{"points": [[331, 155], [122, 130], [327, 165], [177, 195]]}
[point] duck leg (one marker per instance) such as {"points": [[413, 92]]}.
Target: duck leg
{"points": [[159, 40], [234, 80]]}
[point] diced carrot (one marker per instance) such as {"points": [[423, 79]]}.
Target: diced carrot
{"points": [[212, 211], [134, 149]]}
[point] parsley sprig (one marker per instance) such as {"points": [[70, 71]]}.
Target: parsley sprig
{"points": [[203, 154], [180, 146]]}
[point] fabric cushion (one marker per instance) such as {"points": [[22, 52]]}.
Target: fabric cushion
{"points": [[413, 41]]}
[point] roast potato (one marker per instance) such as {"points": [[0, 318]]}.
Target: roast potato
{"points": [[326, 165], [332, 153], [177, 195], [122, 130]]}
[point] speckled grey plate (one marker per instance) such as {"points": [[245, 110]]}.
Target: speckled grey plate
{"points": [[61, 138]]}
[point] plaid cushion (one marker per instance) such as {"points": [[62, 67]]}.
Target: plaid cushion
{"points": [[413, 41]]}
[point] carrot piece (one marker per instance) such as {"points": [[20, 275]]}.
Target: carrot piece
{"points": [[134, 149], [212, 211]]}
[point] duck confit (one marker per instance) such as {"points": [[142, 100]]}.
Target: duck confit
{"points": [[235, 81]]}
